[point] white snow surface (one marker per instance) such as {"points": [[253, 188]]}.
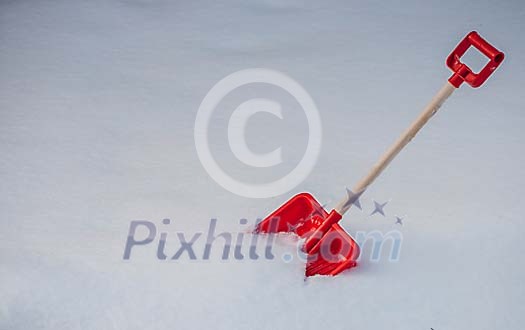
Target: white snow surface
{"points": [[97, 106]]}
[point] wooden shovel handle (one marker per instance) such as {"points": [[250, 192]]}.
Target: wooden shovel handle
{"points": [[461, 73], [400, 143]]}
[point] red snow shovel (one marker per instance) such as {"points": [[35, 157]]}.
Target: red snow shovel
{"points": [[329, 248]]}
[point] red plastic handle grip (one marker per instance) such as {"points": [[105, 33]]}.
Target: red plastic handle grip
{"points": [[462, 72]]}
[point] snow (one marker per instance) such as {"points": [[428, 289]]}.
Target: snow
{"points": [[97, 108]]}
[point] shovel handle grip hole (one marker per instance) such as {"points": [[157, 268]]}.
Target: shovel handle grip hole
{"points": [[462, 73]]}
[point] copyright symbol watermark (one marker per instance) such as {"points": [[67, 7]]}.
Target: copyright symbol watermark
{"points": [[237, 129]]}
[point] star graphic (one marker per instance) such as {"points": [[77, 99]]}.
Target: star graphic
{"points": [[378, 208], [399, 220], [352, 198]]}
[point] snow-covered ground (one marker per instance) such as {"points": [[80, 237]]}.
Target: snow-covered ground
{"points": [[97, 108]]}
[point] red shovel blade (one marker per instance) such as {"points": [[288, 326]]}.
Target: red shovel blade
{"points": [[302, 215], [338, 252]]}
